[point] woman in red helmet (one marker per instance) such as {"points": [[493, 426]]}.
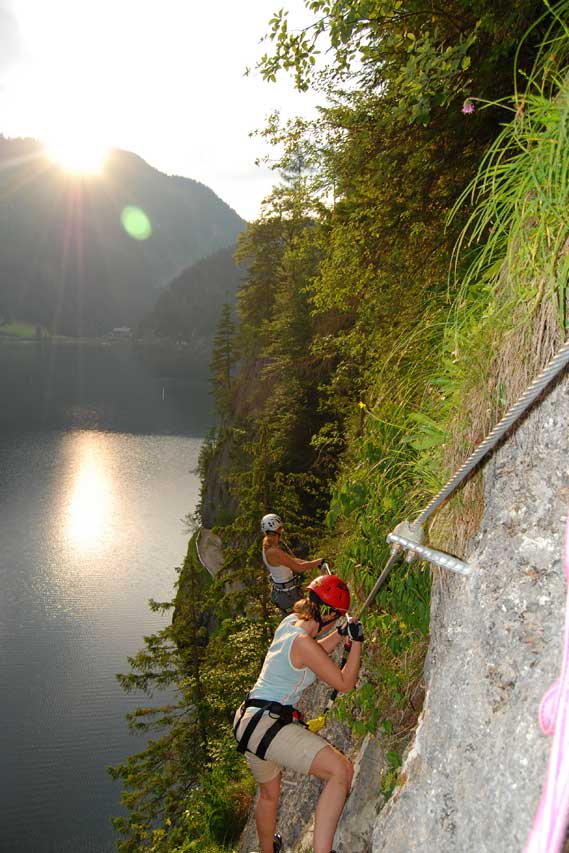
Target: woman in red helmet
{"points": [[265, 726]]}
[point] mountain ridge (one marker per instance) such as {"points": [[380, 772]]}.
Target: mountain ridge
{"points": [[66, 260]]}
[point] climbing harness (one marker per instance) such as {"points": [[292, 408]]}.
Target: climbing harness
{"points": [[293, 583], [283, 715], [547, 834], [284, 593]]}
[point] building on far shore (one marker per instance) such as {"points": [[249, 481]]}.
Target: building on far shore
{"points": [[121, 332]]}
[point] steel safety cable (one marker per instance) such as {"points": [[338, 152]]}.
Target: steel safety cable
{"points": [[316, 724], [532, 392], [551, 370], [379, 583]]}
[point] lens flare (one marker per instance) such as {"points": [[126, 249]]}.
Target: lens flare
{"points": [[136, 223], [78, 155]]}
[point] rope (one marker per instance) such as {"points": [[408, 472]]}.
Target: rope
{"points": [[557, 363], [547, 834]]}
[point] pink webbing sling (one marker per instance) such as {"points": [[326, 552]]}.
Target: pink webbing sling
{"points": [[550, 822]]}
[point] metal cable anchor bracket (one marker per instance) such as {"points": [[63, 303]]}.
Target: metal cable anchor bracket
{"points": [[410, 537]]}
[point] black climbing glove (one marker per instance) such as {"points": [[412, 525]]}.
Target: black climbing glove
{"points": [[354, 630]]}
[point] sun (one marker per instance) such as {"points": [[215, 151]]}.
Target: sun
{"points": [[77, 154]]}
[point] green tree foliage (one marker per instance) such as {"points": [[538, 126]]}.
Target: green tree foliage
{"points": [[188, 309], [352, 257], [222, 359], [420, 56], [168, 787], [158, 780]]}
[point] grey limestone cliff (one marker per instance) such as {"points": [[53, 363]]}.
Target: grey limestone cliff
{"points": [[473, 776]]}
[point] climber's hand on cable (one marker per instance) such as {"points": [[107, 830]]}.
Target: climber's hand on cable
{"points": [[355, 632], [352, 629]]}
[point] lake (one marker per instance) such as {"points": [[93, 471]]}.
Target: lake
{"points": [[97, 470]]}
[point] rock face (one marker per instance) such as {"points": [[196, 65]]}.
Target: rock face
{"points": [[217, 503], [473, 776], [209, 550]]}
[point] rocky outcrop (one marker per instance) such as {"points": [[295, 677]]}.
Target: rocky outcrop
{"points": [[354, 832], [209, 549], [473, 776], [217, 504]]}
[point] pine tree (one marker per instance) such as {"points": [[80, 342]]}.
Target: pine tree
{"points": [[222, 360]]}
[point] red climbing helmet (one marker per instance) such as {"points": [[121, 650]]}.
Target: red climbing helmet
{"points": [[331, 590]]}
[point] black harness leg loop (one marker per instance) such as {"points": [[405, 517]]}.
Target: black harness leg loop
{"points": [[268, 738], [285, 718], [283, 715], [243, 741]]}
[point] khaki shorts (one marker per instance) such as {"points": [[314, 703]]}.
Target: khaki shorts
{"points": [[293, 748]]}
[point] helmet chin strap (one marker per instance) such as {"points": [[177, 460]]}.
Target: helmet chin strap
{"points": [[287, 546], [322, 624], [318, 615]]}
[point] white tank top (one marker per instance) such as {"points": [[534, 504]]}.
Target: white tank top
{"points": [[279, 680], [280, 574]]}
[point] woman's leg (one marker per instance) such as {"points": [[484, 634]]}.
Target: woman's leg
{"points": [[337, 771], [266, 812]]}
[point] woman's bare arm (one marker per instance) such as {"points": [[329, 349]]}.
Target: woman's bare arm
{"points": [[277, 557], [329, 642], [307, 652]]}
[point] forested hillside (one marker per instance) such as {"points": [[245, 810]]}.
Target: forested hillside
{"points": [[82, 254], [188, 309], [407, 278]]}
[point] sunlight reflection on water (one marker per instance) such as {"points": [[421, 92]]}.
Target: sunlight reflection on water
{"points": [[89, 502], [90, 530]]}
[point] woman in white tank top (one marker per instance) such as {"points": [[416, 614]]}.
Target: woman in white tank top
{"points": [[272, 743], [285, 570]]}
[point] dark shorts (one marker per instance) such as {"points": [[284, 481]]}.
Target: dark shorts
{"points": [[285, 598]]}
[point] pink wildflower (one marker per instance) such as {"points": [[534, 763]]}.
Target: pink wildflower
{"points": [[468, 107]]}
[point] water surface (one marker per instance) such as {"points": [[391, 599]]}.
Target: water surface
{"points": [[90, 529]]}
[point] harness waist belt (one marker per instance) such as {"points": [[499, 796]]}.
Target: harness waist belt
{"points": [[283, 716], [291, 584]]}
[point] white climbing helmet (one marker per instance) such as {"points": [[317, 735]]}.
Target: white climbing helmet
{"points": [[271, 523]]}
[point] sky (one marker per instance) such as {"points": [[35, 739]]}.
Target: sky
{"points": [[162, 78]]}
